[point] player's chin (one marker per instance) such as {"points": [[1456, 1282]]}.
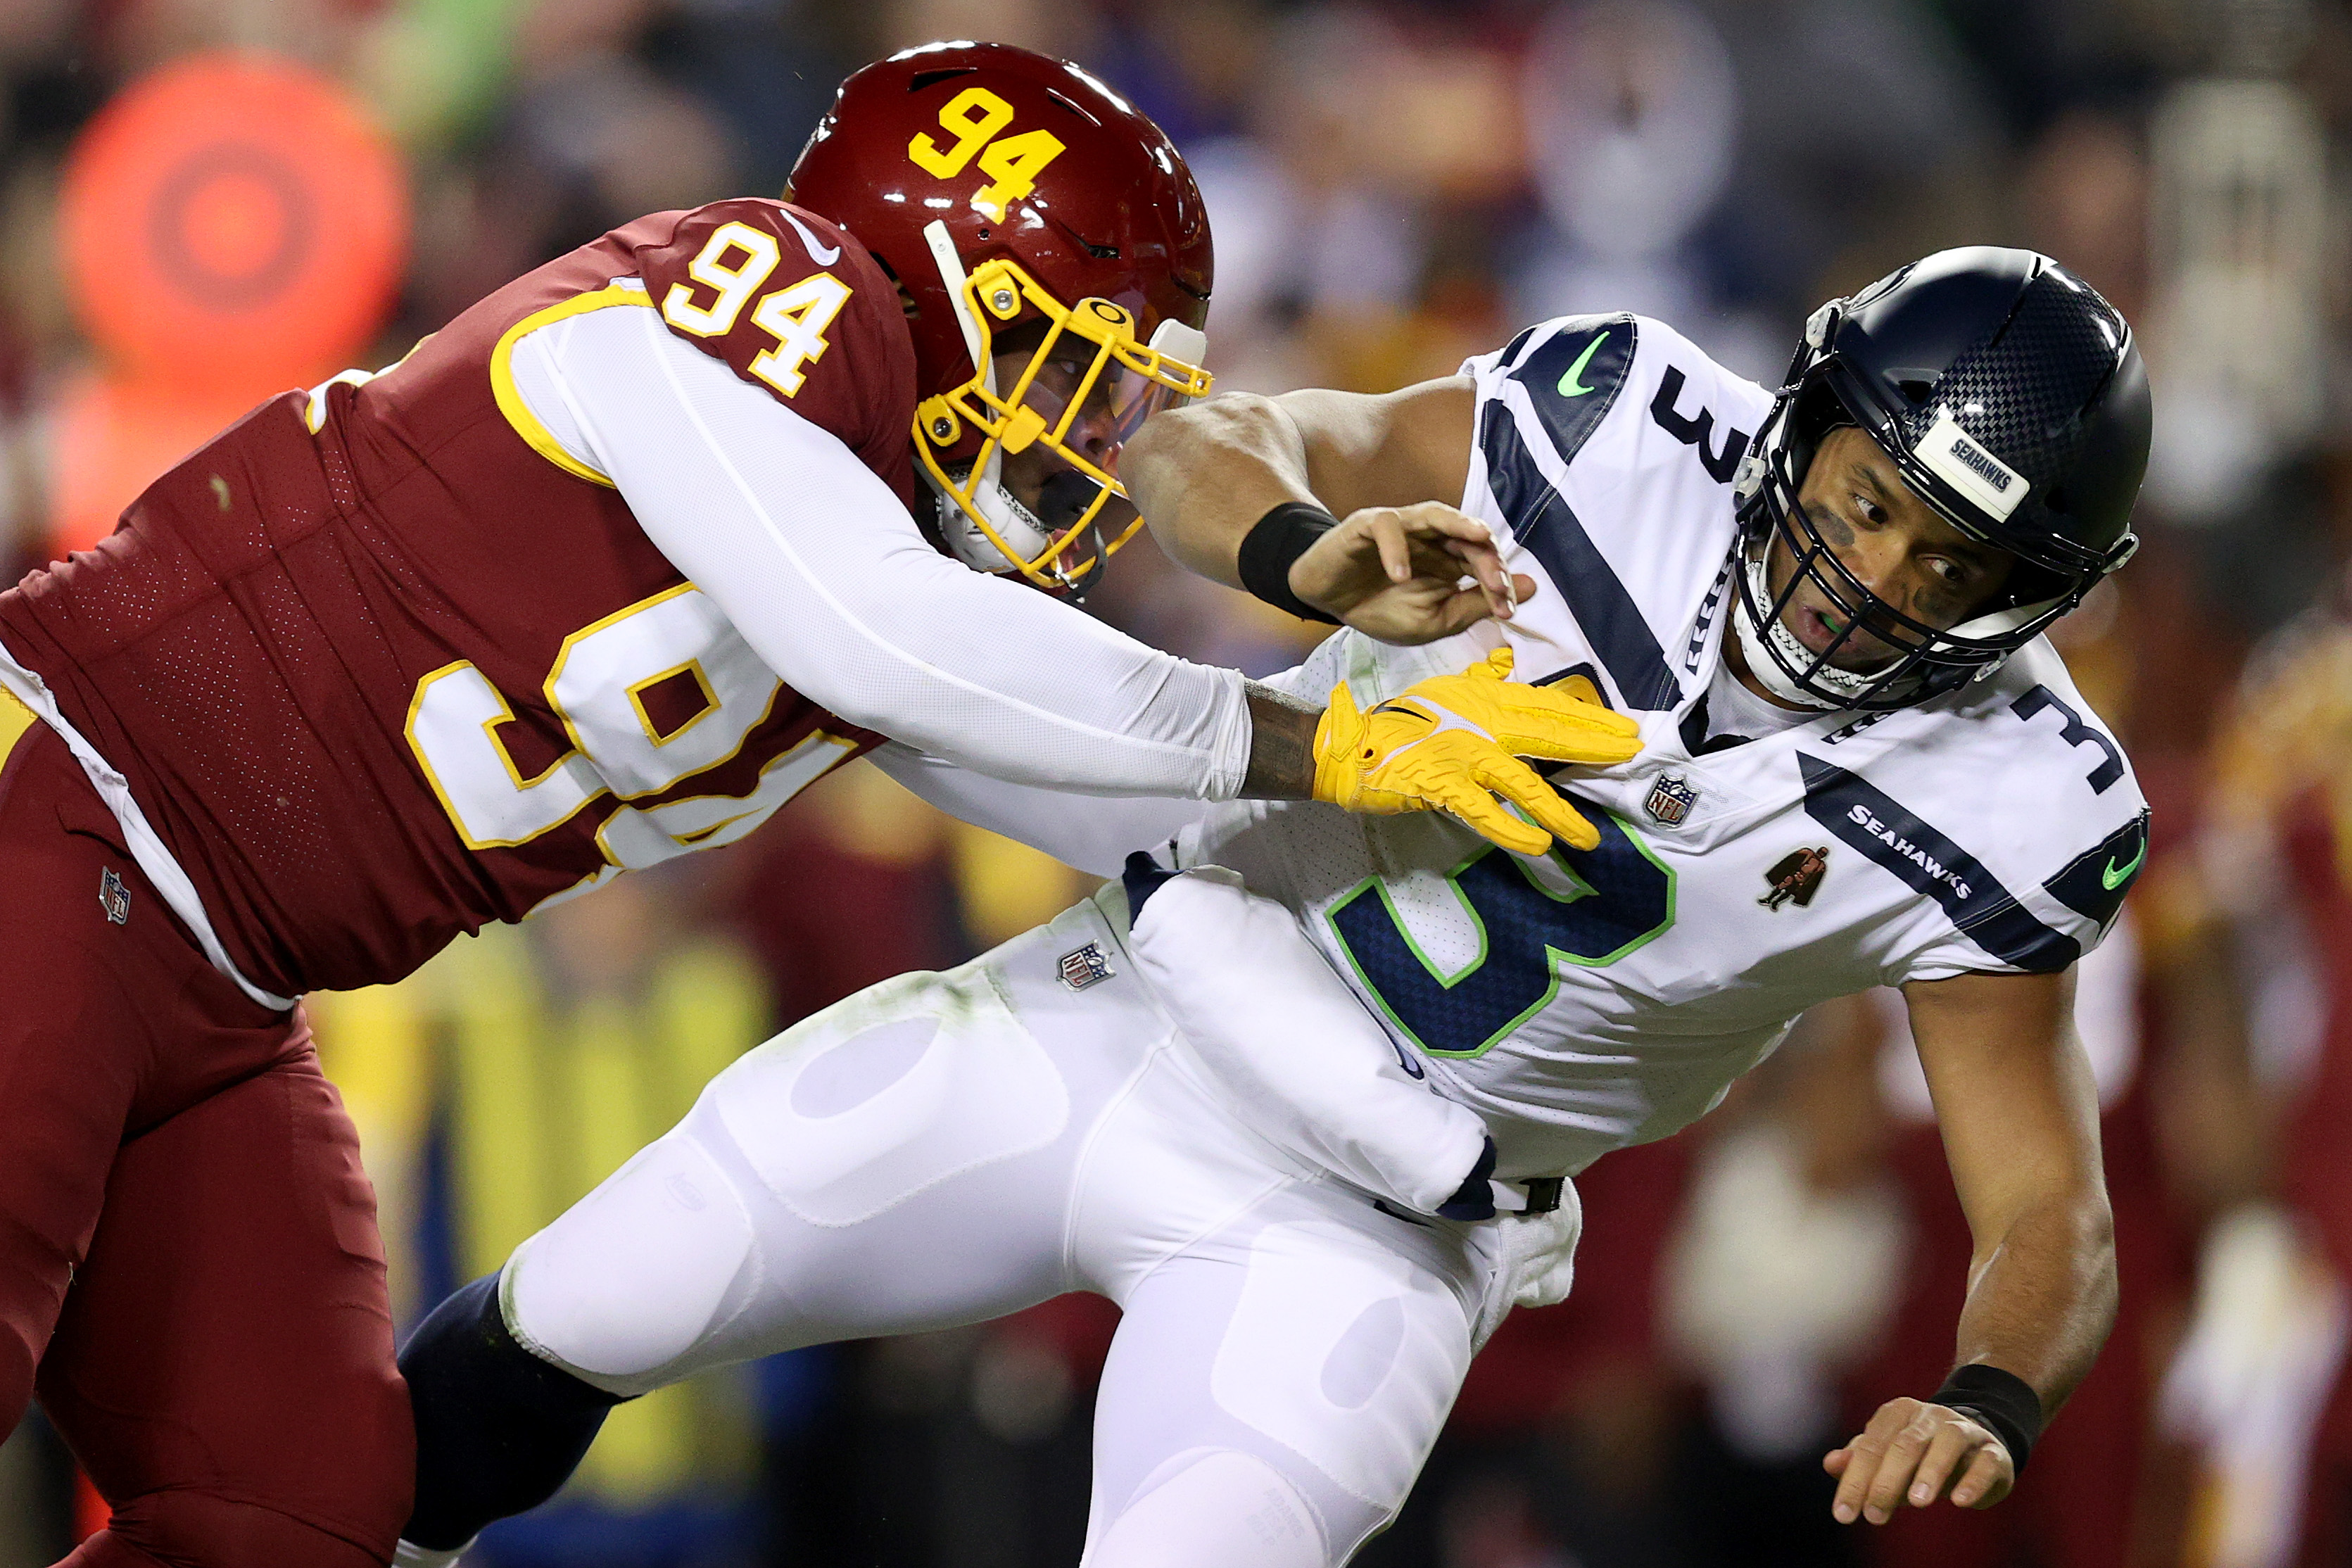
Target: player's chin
{"points": [[1863, 663]]}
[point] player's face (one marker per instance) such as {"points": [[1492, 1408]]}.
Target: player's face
{"points": [[1891, 541], [1042, 478]]}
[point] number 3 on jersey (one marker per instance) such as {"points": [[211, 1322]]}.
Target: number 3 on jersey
{"points": [[1613, 899], [734, 263]]}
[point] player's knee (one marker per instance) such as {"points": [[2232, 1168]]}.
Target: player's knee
{"points": [[178, 1528], [631, 1280], [1216, 1506], [498, 1428]]}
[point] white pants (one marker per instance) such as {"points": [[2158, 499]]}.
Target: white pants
{"points": [[948, 1148]]}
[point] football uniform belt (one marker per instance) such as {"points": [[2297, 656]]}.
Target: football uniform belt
{"points": [[1543, 1194], [1543, 1197]]}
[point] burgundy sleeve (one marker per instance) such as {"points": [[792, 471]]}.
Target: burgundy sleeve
{"points": [[795, 306]]}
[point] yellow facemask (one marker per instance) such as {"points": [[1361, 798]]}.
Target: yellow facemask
{"points": [[1123, 384]]}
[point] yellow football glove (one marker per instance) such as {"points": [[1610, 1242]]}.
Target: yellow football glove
{"points": [[1452, 742]]}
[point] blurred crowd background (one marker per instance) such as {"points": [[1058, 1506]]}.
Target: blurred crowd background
{"points": [[1393, 185]]}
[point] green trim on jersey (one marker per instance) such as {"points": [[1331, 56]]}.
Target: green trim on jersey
{"points": [[1580, 889]]}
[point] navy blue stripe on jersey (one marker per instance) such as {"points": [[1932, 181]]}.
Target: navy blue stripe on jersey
{"points": [[2093, 884], [1707, 607], [1573, 378], [1511, 350], [1987, 913], [1542, 522]]}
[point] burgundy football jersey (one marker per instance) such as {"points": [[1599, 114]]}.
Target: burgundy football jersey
{"points": [[383, 665]]}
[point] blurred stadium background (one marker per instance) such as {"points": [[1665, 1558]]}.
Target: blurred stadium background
{"points": [[205, 201]]}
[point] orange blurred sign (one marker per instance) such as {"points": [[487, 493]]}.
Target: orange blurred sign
{"points": [[233, 226], [236, 220]]}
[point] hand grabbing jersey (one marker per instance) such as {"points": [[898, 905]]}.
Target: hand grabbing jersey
{"points": [[1447, 742]]}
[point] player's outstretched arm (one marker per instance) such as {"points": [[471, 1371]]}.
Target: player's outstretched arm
{"points": [[1390, 467], [817, 565], [1451, 742], [2020, 1116]]}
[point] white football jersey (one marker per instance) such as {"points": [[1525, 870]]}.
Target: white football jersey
{"points": [[1583, 1001]]}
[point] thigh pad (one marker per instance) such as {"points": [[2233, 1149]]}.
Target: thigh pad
{"points": [[919, 1080]]}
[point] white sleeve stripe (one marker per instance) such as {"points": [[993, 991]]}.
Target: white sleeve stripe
{"points": [[535, 366], [551, 355]]}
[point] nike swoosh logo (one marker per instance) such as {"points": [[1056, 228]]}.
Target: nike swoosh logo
{"points": [[2112, 878], [822, 255], [1570, 385]]}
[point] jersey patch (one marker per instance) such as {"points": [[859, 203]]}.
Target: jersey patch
{"points": [[113, 897], [1604, 611], [1572, 381], [1795, 878], [1986, 912], [2093, 884]]}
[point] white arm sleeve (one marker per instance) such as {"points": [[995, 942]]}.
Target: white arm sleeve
{"points": [[822, 572], [1093, 832]]}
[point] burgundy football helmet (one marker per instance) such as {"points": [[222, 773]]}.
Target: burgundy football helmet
{"points": [[1015, 197]]}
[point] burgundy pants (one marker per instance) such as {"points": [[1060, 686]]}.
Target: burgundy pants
{"points": [[190, 1273]]}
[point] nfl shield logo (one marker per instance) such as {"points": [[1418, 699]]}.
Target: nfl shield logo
{"points": [[113, 897], [1671, 800], [1082, 967]]}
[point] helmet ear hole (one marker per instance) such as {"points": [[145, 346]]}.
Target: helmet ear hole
{"points": [[1918, 389]]}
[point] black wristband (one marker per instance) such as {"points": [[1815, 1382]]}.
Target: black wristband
{"points": [[2001, 1402], [1273, 543]]}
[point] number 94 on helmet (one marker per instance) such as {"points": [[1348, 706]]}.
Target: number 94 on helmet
{"points": [[1054, 257]]}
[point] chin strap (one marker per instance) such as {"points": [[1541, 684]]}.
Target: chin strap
{"points": [[1016, 523], [1762, 662]]}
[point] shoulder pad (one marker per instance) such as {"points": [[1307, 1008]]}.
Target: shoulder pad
{"points": [[1989, 911], [1574, 369], [791, 303], [2054, 826]]}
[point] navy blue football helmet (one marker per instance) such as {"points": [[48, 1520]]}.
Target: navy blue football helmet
{"points": [[2011, 399]]}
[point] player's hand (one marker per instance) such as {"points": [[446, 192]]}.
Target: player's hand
{"points": [[1914, 1452], [1452, 742], [1394, 572]]}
